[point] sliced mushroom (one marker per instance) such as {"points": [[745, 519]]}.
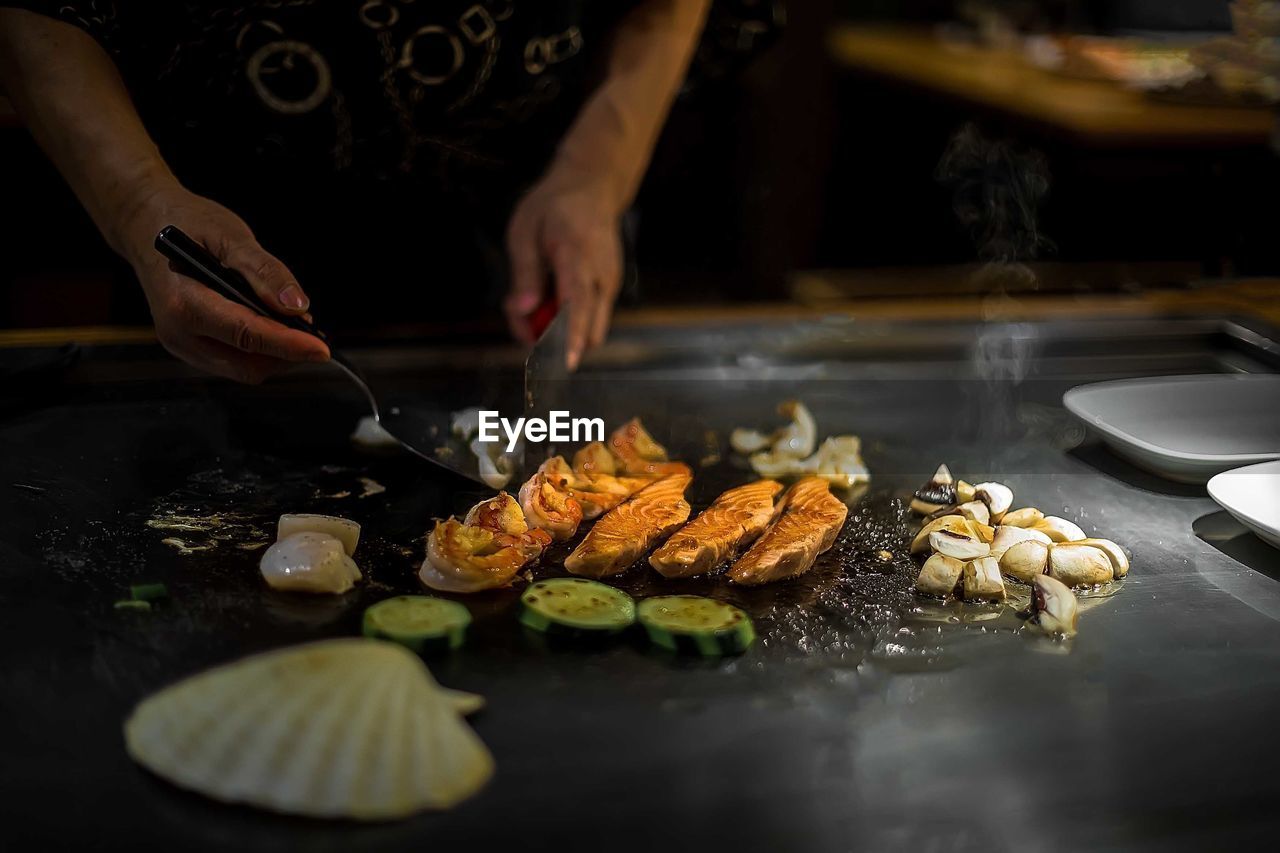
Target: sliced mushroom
{"points": [[985, 531], [1119, 559], [1053, 606], [997, 496], [1025, 561], [1006, 537], [962, 546], [965, 492], [1080, 565], [956, 523], [940, 575], [975, 511], [937, 494], [1026, 517], [982, 579], [1059, 529]]}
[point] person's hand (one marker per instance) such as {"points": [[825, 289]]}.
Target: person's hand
{"points": [[196, 324], [566, 230]]}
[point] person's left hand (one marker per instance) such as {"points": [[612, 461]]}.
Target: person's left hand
{"points": [[565, 228]]}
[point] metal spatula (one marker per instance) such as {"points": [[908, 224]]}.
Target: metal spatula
{"points": [[424, 433]]}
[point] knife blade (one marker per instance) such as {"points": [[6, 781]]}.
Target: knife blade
{"points": [[546, 380]]}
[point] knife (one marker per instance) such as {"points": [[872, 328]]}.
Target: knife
{"points": [[546, 379]]}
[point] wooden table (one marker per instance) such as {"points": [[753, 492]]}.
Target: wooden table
{"points": [[1092, 111]]}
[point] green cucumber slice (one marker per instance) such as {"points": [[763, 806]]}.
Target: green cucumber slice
{"points": [[576, 606], [691, 623], [418, 622]]}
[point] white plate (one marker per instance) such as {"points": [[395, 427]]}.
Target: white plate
{"points": [[1252, 495], [1186, 428]]}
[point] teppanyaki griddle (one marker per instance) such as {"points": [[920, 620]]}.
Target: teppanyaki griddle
{"points": [[859, 720]]}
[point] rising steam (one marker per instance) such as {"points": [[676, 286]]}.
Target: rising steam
{"points": [[996, 193], [997, 189]]}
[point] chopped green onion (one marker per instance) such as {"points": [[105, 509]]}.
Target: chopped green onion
{"points": [[148, 591], [132, 605]]}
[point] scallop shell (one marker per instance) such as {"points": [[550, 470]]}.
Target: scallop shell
{"points": [[352, 728]]}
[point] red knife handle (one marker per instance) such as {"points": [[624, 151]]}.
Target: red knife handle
{"points": [[543, 315]]}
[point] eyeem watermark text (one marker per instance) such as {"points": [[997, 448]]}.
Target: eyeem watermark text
{"points": [[559, 426]]}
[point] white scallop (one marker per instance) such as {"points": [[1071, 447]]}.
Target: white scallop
{"points": [[309, 562], [344, 530], [348, 728]]}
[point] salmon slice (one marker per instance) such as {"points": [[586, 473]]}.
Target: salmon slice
{"points": [[735, 519], [629, 530], [809, 519], [638, 455]]}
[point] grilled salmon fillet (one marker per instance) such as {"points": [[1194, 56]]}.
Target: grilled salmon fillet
{"points": [[809, 519], [735, 519], [629, 530]]}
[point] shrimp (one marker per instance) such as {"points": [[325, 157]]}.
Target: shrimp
{"points": [[547, 502], [594, 481], [638, 455], [594, 460], [483, 551]]}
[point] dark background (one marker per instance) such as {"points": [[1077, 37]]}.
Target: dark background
{"points": [[789, 163]]}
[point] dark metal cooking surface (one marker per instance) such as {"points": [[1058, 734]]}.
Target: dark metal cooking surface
{"points": [[861, 719]]}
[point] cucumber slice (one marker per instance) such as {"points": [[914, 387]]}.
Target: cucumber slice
{"points": [[691, 623], [576, 606], [418, 622]]}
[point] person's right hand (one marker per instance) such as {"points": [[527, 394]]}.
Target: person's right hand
{"points": [[198, 325]]}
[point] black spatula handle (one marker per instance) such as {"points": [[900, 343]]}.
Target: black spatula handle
{"points": [[196, 262]]}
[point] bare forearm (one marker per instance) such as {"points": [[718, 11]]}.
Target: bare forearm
{"points": [[69, 94], [613, 137]]}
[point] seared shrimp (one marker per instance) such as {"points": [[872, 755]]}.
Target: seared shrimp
{"points": [[547, 502], [500, 513], [594, 481], [638, 455], [593, 461], [484, 551]]}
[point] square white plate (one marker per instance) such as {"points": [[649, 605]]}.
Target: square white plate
{"points": [[1252, 495], [1186, 428]]}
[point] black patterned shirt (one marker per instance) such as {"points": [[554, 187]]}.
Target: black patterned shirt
{"points": [[380, 89]]}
